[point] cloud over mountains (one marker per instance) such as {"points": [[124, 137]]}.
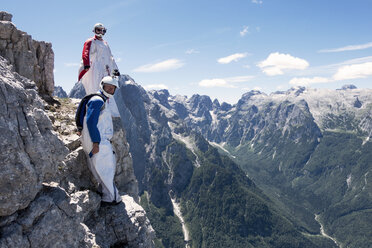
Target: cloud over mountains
{"points": [[166, 65]]}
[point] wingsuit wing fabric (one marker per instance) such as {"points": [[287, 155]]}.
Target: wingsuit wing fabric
{"points": [[96, 54]]}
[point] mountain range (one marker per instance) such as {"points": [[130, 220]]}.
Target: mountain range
{"points": [[297, 161], [308, 149]]}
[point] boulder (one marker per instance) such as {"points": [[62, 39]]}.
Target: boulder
{"points": [[57, 219]]}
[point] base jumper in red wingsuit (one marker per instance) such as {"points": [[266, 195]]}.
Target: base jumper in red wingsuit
{"points": [[97, 62]]}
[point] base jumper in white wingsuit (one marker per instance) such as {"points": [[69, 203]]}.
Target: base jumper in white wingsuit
{"points": [[95, 73], [96, 135], [97, 62]]}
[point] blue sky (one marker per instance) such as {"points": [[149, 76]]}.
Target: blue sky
{"points": [[218, 48]]}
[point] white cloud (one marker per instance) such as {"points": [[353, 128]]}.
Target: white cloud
{"points": [[118, 60], [277, 62], [216, 82], [353, 71], [224, 82], [357, 60], [244, 31], [234, 57], [303, 81], [247, 66], [155, 86], [192, 51], [257, 1], [347, 48], [72, 64], [239, 79], [166, 65], [331, 69]]}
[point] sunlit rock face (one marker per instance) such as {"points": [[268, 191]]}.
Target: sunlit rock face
{"points": [[30, 58]]}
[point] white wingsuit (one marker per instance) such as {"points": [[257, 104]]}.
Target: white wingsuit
{"points": [[98, 57], [103, 163], [96, 54]]}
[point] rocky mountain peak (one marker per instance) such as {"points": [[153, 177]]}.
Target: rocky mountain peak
{"points": [[216, 103], [200, 101], [30, 58], [297, 90], [348, 87], [162, 96], [251, 93], [5, 16], [59, 92], [226, 106]]}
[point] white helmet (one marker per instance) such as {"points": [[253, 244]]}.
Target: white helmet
{"points": [[109, 80], [99, 26]]}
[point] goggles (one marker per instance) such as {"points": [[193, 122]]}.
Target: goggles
{"points": [[100, 30]]}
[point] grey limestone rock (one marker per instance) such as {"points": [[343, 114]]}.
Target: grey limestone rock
{"points": [[124, 176], [77, 91], [47, 196], [122, 225], [348, 87], [30, 152], [5, 16], [59, 92], [30, 58]]}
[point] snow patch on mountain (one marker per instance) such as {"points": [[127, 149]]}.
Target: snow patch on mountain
{"points": [[220, 146], [189, 144], [348, 181], [365, 180], [214, 118]]}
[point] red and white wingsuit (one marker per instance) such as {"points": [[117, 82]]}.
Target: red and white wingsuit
{"points": [[97, 56]]}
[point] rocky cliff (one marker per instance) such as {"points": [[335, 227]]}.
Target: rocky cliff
{"points": [[48, 195], [30, 58], [59, 92]]}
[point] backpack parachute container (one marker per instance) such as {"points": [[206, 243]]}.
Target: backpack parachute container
{"points": [[82, 109]]}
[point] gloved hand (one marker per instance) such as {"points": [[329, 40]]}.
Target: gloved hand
{"points": [[86, 67], [116, 72]]}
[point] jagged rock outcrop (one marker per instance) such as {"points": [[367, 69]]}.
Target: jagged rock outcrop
{"points": [[48, 196], [124, 225], [77, 91], [30, 152], [59, 92], [58, 219], [53, 219], [153, 146], [30, 58], [348, 87]]}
